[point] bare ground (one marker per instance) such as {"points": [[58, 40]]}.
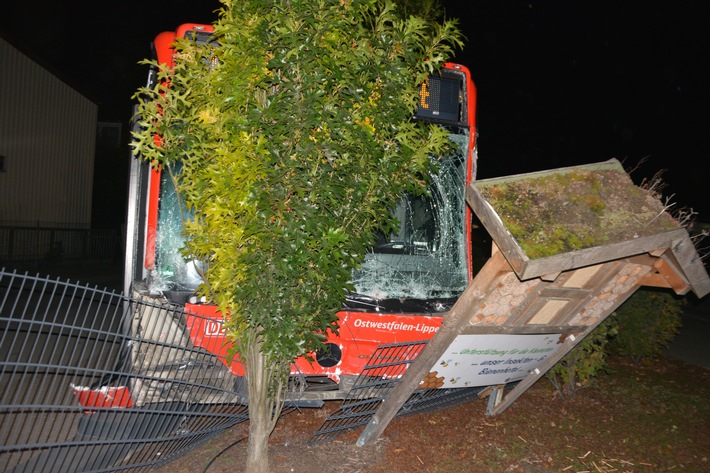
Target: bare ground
{"points": [[638, 418]]}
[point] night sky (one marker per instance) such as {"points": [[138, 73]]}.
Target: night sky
{"points": [[560, 83]]}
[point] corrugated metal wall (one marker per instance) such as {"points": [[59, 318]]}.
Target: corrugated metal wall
{"points": [[47, 138]]}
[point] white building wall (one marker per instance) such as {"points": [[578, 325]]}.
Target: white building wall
{"points": [[47, 138]]}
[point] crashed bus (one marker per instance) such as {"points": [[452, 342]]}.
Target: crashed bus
{"points": [[408, 281]]}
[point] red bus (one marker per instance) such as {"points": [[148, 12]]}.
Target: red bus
{"points": [[408, 281]]}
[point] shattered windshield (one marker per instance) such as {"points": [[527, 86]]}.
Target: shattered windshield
{"points": [[172, 272], [425, 258]]}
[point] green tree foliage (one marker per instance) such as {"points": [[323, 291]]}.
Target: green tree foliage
{"points": [[289, 140], [584, 362], [641, 327], [647, 321]]}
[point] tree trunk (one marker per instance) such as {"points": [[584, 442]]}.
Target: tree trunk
{"points": [[258, 446], [265, 405]]}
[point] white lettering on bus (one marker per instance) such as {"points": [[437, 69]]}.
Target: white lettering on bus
{"points": [[392, 325]]}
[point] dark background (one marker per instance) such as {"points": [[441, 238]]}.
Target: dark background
{"points": [[560, 83]]}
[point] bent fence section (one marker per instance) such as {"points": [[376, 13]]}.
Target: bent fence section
{"points": [[92, 380]]}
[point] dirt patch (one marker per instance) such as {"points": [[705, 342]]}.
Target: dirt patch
{"points": [[638, 418]]}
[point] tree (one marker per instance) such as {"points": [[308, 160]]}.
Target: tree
{"points": [[289, 139], [648, 321], [584, 362]]}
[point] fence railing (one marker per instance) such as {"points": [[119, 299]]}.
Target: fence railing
{"points": [[92, 380], [45, 243]]}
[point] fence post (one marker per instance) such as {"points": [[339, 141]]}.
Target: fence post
{"points": [[11, 243], [85, 245]]}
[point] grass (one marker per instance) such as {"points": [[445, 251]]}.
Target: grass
{"points": [[638, 418]]}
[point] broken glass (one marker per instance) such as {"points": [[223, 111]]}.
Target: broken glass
{"points": [[172, 272], [426, 257]]}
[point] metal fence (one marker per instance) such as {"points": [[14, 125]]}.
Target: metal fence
{"points": [[381, 374], [45, 243], [92, 380], [95, 381]]}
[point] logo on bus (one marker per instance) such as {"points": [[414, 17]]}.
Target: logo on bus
{"points": [[214, 328]]}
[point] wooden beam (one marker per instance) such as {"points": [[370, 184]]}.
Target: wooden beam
{"points": [[654, 280], [671, 271], [550, 277], [667, 272], [482, 329], [693, 268]]}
